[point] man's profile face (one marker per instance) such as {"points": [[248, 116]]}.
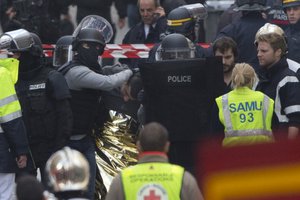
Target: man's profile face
{"points": [[227, 59], [147, 9], [266, 54], [293, 14]]}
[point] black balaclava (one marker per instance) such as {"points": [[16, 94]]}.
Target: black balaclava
{"points": [[89, 57], [28, 62]]}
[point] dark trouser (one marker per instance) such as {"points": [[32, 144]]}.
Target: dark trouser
{"points": [[87, 147]]}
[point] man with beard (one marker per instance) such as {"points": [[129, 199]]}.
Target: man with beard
{"points": [[227, 49], [279, 82]]}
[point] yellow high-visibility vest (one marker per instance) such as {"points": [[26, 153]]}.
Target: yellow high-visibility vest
{"points": [[246, 116], [10, 108], [153, 180]]}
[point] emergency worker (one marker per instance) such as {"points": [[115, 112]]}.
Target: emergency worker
{"points": [[44, 98], [63, 51], [13, 142], [244, 29], [183, 20], [87, 83], [279, 82], [67, 172], [272, 28], [292, 9], [148, 179], [245, 114]]}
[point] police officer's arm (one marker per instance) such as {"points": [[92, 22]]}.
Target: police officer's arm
{"points": [[84, 78], [59, 91], [116, 189]]}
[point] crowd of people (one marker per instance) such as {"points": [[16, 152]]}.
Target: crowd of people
{"points": [[247, 95]]}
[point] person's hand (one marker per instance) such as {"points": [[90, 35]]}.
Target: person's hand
{"points": [[161, 11], [125, 91], [11, 13], [21, 161], [121, 23]]}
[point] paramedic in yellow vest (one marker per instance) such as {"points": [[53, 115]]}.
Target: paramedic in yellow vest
{"points": [[154, 177], [13, 140], [246, 114]]}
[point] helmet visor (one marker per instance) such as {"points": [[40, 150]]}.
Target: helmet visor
{"points": [[18, 40], [175, 54], [98, 23], [62, 55]]}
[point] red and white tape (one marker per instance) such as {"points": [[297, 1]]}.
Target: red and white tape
{"points": [[114, 50]]}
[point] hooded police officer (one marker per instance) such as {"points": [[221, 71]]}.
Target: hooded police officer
{"points": [[184, 20], [44, 98], [86, 82]]}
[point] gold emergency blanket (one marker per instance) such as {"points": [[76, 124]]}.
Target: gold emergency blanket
{"points": [[115, 150]]}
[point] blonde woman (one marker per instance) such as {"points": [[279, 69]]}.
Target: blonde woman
{"points": [[245, 114]]}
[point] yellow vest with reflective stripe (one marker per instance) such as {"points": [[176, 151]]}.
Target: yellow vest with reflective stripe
{"points": [[246, 116], [9, 105], [152, 181]]}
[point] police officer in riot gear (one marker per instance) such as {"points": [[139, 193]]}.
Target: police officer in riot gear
{"points": [[184, 20], [175, 46], [67, 172], [243, 30], [44, 98], [86, 82], [63, 51]]}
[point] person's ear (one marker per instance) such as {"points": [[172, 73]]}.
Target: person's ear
{"points": [[278, 53], [167, 147]]}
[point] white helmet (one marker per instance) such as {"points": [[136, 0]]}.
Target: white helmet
{"points": [[67, 170]]}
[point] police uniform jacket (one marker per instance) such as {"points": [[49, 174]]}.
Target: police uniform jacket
{"points": [[13, 141], [282, 85], [293, 36], [243, 33], [189, 189], [44, 96]]}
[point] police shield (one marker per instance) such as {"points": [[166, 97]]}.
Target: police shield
{"points": [[180, 93]]}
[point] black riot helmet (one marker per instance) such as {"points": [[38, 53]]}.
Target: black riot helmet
{"points": [[22, 41], [88, 35], [63, 51], [175, 47], [184, 18], [251, 5]]}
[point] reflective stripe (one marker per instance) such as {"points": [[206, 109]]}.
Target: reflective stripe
{"points": [[277, 108], [178, 22], [8, 100], [294, 66], [266, 103], [292, 109], [226, 112], [248, 133], [10, 116], [1, 130]]}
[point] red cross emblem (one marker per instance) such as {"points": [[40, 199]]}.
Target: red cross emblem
{"points": [[152, 196]]}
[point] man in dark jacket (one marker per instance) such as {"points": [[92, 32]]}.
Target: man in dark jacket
{"points": [[279, 82], [44, 96]]}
